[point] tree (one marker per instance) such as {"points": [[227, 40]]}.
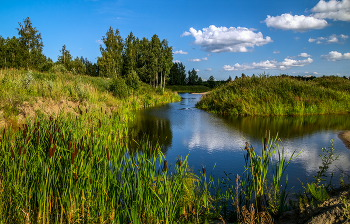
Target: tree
{"points": [[166, 61], [129, 55], [31, 44], [78, 67], [155, 51], [142, 60], [192, 77], [65, 58], [229, 79], [111, 62], [211, 81]]}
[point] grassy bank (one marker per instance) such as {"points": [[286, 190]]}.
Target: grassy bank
{"points": [[189, 89], [22, 93], [279, 95]]}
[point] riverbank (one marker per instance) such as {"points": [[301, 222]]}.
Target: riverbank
{"points": [[24, 93], [344, 136], [279, 95], [189, 89]]}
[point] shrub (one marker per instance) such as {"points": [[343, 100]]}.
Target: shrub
{"points": [[119, 88], [58, 68]]}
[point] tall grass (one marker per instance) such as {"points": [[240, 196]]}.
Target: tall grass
{"points": [[279, 96], [19, 86], [68, 169]]}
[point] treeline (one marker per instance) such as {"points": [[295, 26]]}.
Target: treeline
{"points": [[147, 60]]}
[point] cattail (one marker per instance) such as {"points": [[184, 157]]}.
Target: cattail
{"points": [[89, 154], [53, 150], [75, 148], [50, 153], [82, 146], [12, 153], [28, 139], [69, 145], [90, 181], [100, 121], [203, 169], [50, 139], [107, 153], [24, 134], [37, 139], [25, 150], [75, 177], [73, 157], [179, 162], [62, 139], [38, 124], [149, 153], [86, 110], [265, 142], [165, 165], [20, 151], [101, 109]]}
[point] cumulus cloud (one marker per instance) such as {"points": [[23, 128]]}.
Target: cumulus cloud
{"points": [[328, 40], [176, 61], [333, 9], [180, 52], [223, 39], [276, 52], [304, 55], [198, 60], [186, 33], [316, 73], [197, 70], [336, 56], [273, 64], [208, 69], [296, 23], [99, 41]]}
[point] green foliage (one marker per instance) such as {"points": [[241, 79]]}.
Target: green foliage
{"points": [[189, 89], [319, 193], [58, 68], [119, 88], [277, 95], [328, 157], [133, 80]]}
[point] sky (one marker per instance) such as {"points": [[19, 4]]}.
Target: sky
{"points": [[216, 38]]}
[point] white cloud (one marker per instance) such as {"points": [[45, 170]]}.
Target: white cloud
{"points": [[331, 39], [276, 52], [306, 72], [208, 69], [198, 60], [336, 56], [180, 52], [99, 41], [186, 33], [197, 70], [208, 55], [223, 39], [297, 38], [176, 61], [273, 64], [297, 23], [304, 55], [333, 9], [316, 73]]}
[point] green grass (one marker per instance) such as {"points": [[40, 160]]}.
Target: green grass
{"points": [[19, 86], [279, 96], [189, 89]]}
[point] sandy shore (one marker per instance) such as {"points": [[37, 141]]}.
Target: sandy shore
{"points": [[345, 137]]}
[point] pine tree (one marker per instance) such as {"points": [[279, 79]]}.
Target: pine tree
{"points": [[129, 55], [65, 58], [155, 50], [31, 44]]}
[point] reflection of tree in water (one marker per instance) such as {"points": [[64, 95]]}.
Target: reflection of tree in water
{"points": [[288, 127], [157, 130]]}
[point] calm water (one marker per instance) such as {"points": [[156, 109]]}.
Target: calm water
{"points": [[211, 139]]}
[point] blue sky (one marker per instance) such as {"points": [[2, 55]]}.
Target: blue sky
{"points": [[219, 38]]}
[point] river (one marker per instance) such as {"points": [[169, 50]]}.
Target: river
{"points": [[216, 140]]}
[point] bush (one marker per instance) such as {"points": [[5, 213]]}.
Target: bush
{"points": [[58, 68], [133, 80], [119, 88]]}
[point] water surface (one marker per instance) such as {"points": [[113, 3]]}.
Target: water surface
{"points": [[216, 140]]}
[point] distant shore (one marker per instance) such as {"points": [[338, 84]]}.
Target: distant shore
{"points": [[345, 137]]}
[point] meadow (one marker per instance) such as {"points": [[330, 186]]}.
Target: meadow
{"points": [[74, 165], [279, 95]]}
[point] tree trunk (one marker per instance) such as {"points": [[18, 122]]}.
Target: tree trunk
{"points": [[161, 79]]}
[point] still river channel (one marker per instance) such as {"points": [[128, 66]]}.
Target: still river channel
{"points": [[216, 140]]}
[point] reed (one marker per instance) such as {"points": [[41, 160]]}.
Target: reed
{"points": [[69, 174]]}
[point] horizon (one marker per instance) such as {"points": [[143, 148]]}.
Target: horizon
{"points": [[218, 39]]}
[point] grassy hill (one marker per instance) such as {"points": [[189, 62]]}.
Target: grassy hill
{"points": [[279, 95]]}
